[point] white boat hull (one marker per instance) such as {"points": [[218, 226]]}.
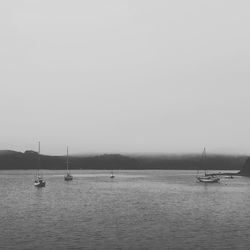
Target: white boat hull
{"points": [[208, 179], [39, 183]]}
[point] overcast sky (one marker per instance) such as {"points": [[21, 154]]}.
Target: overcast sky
{"points": [[134, 76]]}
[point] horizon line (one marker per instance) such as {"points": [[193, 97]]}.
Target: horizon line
{"points": [[132, 153]]}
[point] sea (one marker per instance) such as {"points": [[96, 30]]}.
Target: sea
{"points": [[163, 209]]}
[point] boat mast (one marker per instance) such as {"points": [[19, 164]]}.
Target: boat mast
{"points": [[38, 158], [204, 158], [67, 159]]}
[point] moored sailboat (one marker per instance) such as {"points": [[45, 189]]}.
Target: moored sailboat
{"points": [[206, 178], [112, 175], [68, 176], [39, 181]]}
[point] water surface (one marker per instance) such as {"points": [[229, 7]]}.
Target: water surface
{"points": [[163, 209]]}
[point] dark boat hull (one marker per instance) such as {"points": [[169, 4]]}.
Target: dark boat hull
{"points": [[68, 178]]}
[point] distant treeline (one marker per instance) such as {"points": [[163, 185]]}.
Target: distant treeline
{"points": [[29, 160]]}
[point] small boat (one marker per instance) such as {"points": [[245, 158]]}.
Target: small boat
{"points": [[206, 178], [68, 176], [112, 175], [39, 181], [228, 177]]}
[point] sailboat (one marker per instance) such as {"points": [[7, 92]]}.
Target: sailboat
{"points": [[39, 181], [206, 178], [112, 175], [68, 176]]}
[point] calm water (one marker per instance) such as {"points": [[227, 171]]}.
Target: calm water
{"points": [[136, 210]]}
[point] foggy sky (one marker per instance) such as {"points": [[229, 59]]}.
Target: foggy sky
{"points": [[134, 76]]}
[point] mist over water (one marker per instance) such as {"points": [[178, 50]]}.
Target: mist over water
{"points": [[136, 210]]}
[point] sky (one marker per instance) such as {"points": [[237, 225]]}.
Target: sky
{"points": [[134, 76]]}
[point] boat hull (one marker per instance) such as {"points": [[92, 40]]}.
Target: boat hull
{"points": [[39, 184], [208, 179], [229, 177], [68, 178]]}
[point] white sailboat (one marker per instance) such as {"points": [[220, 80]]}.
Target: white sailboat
{"points": [[68, 176], [39, 181], [206, 178]]}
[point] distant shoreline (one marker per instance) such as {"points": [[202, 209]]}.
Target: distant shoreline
{"points": [[233, 173], [12, 160]]}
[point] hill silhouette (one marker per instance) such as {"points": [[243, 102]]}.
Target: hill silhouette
{"points": [[245, 171], [29, 160]]}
